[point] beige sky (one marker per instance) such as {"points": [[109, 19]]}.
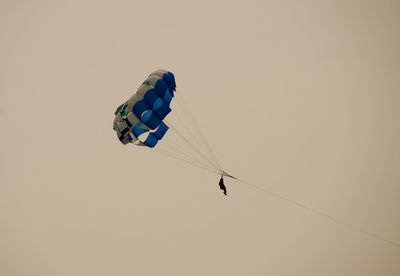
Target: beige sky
{"points": [[297, 97]]}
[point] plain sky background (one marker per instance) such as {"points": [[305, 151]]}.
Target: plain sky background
{"points": [[298, 97]]}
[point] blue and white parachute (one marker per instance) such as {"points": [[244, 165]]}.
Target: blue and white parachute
{"points": [[142, 120]]}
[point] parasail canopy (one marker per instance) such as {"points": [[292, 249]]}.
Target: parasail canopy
{"points": [[156, 116]]}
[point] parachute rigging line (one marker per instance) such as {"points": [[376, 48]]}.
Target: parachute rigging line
{"points": [[191, 139], [196, 126], [193, 146], [190, 132], [176, 152], [186, 161], [197, 145]]}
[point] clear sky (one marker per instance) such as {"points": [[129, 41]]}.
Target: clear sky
{"points": [[298, 97]]}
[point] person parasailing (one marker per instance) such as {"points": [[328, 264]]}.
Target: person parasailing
{"points": [[221, 184]]}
